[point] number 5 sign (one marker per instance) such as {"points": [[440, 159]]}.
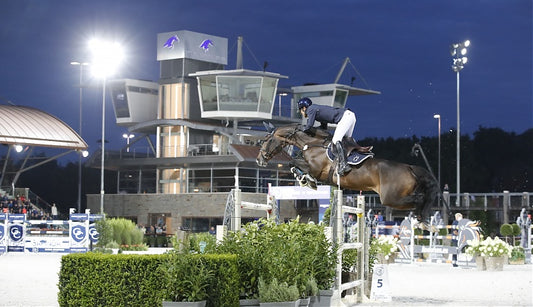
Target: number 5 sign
{"points": [[380, 284]]}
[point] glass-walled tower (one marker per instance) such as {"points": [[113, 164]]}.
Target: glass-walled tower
{"points": [[181, 53]]}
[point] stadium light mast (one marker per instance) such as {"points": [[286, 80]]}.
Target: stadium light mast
{"points": [[458, 52], [106, 58]]}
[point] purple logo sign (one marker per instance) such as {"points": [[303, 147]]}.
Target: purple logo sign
{"points": [[170, 42], [15, 233], [93, 234], [206, 44], [1, 232], [78, 233]]}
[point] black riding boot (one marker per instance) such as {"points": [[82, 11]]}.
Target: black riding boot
{"points": [[342, 167]]}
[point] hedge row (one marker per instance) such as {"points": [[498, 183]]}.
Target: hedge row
{"points": [[94, 279]]}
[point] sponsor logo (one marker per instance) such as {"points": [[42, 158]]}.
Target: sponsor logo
{"points": [[206, 44], [93, 234], [1, 232], [78, 233], [15, 233], [169, 44]]}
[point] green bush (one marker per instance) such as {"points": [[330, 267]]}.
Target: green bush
{"points": [[277, 292], [516, 230], [290, 252], [94, 279], [506, 230], [122, 231], [202, 242]]}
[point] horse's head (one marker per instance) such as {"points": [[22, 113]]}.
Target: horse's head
{"points": [[274, 143]]}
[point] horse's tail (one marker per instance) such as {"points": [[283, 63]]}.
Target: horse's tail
{"points": [[429, 187]]}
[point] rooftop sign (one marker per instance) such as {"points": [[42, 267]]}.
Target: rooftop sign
{"points": [[192, 45]]}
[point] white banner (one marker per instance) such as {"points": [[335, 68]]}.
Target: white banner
{"points": [[380, 284]]}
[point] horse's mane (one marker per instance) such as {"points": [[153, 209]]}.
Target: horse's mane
{"points": [[312, 132]]}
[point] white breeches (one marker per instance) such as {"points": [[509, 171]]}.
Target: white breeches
{"points": [[345, 126]]}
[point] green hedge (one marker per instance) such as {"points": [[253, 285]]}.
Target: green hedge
{"points": [[136, 280]]}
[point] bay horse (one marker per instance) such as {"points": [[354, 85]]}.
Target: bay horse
{"points": [[399, 186]]}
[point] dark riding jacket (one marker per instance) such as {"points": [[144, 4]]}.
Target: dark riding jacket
{"points": [[323, 114]]}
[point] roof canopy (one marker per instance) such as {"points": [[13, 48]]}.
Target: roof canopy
{"points": [[29, 126]]}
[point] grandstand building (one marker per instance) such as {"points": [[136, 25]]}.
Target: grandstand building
{"points": [[199, 126]]}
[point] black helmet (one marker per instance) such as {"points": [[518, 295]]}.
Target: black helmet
{"points": [[304, 102]]}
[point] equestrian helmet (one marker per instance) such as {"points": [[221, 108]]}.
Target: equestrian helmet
{"points": [[304, 102]]}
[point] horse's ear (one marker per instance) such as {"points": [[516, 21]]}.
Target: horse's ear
{"points": [[269, 127]]}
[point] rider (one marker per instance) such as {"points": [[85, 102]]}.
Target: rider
{"points": [[345, 120]]}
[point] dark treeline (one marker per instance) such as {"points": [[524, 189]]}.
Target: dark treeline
{"points": [[491, 161]]}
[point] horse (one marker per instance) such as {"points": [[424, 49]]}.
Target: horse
{"points": [[399, 186]]}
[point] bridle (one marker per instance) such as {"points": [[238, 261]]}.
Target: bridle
{"points": [[284, 141]]}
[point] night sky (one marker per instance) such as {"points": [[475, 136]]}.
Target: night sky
{"points": [[401, 48]]}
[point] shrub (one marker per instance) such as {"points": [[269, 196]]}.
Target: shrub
{"points": [[277, 292], [187, 278], [506, 230], [517, 253], [94, 279], [290, 252], [121, 232]]}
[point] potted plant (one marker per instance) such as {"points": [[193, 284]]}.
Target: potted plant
{"points": [[494, 252], [276, 294], [476, 250], [517, 255], [384, 247], [187, 280], [310, 292]]}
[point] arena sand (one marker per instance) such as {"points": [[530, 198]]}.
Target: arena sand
{"points": [[28, 279]]}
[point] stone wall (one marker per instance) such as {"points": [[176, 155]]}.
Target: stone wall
{"points": [[178, 206]]}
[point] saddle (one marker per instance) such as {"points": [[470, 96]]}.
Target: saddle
{"points": [[350, 145], [354, 154]]}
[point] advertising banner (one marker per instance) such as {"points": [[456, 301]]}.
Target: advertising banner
{"points": [[43, 244], [79, 232], [3, 236], [16, 230], [93, 233]]}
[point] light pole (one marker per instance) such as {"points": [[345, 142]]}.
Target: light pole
{"points": [[437, 116], [458, 52], [106, 57], [80, 64], [128, 136]]}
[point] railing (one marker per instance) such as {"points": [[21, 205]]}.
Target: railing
{"points": [[473, 201], [171, 151]]}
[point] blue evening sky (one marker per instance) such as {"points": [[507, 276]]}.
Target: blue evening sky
{"points": [[400, 48]]}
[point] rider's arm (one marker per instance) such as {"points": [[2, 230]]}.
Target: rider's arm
{"points": [[311, 115]]}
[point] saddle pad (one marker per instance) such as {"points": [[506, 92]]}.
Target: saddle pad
{"points": [[354, 158]]}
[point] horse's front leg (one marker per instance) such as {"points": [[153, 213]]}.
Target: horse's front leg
{"points": [[300, 168]]}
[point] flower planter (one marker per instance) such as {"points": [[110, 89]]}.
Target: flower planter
{"points": [[494, 263], [480, 263], [304, 302], [249, 302], [517, 261], [281, 304], [323, 299], [184, 304], [382, 259]]}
